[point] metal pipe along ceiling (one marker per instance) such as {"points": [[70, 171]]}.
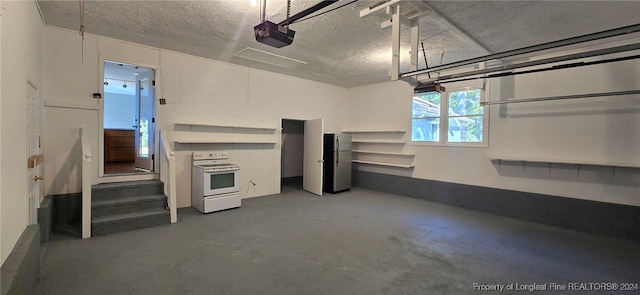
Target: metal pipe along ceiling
{"points": [[530, 49], [306, 12], [574, 96], [594, 53]]}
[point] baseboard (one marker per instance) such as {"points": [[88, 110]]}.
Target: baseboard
{"points": [[19, 272], [584, 215]]}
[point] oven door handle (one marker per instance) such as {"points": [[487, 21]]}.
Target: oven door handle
{"points": [[218, 171]]}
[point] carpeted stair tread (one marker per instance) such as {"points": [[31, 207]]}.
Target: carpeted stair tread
{"points": [[127, 184], [116, 218], [126, 200]]}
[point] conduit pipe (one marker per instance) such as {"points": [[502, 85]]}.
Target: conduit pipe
{"points": [[306, 12], [593, 53], [558, 67], [530, 49], [575, 96]]}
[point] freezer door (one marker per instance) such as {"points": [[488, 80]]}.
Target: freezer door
{"points": [[343, 142], [342, 174]]}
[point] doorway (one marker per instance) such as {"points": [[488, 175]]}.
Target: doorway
{"points": [[302, 148], [292, 158], [128, 118], [35, 172]]}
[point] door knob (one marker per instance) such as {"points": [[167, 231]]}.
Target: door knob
{"points": [[36, 178], [320, 161]]}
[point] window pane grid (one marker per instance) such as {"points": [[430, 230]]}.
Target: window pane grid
{"points": [[466, 116], [457, 119]]}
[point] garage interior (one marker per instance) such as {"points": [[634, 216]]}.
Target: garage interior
{"points": [[495, 146]]}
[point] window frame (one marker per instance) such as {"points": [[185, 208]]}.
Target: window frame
{"points": [[443, 138]]}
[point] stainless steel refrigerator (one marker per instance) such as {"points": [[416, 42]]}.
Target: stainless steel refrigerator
{"points": [[337, 162]]}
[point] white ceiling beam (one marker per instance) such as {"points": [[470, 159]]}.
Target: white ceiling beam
{"points": [[415, 38], [405, 20], [395, 45], [377, 10], [388, 23]]}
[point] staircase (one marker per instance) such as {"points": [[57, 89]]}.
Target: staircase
{"points": [[124, 206]]}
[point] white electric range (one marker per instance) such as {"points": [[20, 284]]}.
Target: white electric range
{"points": [[215, 182]]}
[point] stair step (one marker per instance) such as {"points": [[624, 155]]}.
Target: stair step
{"points": [[128, 204], [116, 218], [126, 189], [109, 224]]}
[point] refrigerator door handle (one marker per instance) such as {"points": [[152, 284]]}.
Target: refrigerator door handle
{"points": [[337, 150]]}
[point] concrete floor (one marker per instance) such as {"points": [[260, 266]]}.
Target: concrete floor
{"points": [[357, 242]]}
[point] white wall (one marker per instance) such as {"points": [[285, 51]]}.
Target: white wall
{"points": [[119, 110], [21, 60], [591, 130], [2, 257], [197, 90], [205, 91]]}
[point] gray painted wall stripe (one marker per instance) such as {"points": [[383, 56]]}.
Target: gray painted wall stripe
{"points": [[584, 215]]}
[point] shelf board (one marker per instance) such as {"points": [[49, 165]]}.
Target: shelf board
{"points": [[377, 141], [383, 164], [383, 153], [556, 161], [225, 141], [374, 131], [227, 126]]}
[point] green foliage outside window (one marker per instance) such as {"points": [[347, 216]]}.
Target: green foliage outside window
{"points": [[464, 117]]}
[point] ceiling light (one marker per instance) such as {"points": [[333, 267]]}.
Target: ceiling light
{"points": [[253, 3]]}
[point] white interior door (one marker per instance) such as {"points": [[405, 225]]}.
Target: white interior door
{"points": [[35, 183], [313, 145], [144, 120]]}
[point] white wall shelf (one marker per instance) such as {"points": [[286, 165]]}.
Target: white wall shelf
{"points": [[377, 141], [381, 148], [383, 153], [228, 126], [204, 138], [383, 164], [374, 131], [224, 141], [556, 161], [197, 133]]}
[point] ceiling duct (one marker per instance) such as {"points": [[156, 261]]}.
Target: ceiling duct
{"points": [[279, 35]]}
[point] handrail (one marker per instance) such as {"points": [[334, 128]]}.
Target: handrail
{"points": [[86, 182], [168, 174]]}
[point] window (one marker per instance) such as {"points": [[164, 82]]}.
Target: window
{"points": [[449, 118]]}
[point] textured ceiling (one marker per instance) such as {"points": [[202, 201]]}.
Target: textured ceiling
{"points": [[339, 47]]}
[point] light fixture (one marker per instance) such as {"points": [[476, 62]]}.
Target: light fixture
{"points": [[253, 3], [124, 85], [106, 82]]}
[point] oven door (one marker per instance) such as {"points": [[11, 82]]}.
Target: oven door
{"points": [[221, 182]]}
